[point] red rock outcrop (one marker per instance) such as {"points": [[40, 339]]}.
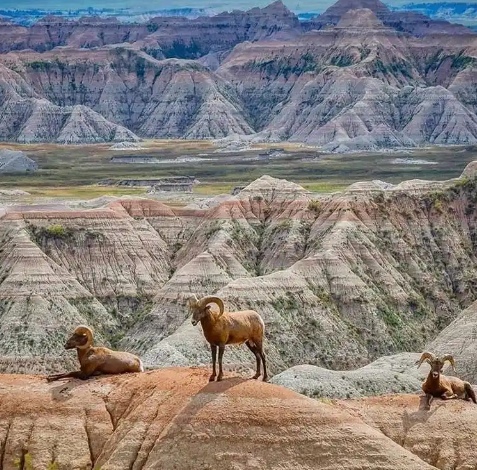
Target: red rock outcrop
{"points": [[174, 419], [443, 437]]}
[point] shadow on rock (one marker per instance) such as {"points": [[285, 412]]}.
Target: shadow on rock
{"points": [[208, 394], [422, 415], [63, 391]]}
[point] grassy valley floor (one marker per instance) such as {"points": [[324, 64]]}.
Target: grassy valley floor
{"points": [[75, 171]]}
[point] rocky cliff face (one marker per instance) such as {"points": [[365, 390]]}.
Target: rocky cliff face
{"points": [[167, 99], [431, 436], [359, 77], [27, 117], [357, 86], [340, 280], [176, 37]]}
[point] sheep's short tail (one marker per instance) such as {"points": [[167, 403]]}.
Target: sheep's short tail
{"points": [[470, 392], [141, 367]]}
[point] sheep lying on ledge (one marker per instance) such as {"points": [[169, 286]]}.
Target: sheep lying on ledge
{"points": [[97, 360], [438, 385], [229, 328]]}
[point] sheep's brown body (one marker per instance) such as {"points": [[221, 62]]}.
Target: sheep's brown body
{"points": [[233, 328], [97, 360], [225, 328], [441, 386]]}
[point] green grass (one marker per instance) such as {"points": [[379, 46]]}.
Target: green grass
{"points": [[73, 172], [83, 192]]}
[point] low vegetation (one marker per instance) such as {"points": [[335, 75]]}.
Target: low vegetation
{"points": [[329, 173]]}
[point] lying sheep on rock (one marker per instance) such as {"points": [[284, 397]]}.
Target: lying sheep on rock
{"points": [[97, 360], [229, 328], [438, 385]]}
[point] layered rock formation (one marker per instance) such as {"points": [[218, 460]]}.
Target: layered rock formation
{"points": [[392, 374], [16, 162], [358, 86], [460, 338], [358, 78], [340, 280], [175, 419], [27, 117]]}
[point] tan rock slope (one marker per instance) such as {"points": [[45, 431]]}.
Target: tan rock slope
{"points": [[175, 419]]}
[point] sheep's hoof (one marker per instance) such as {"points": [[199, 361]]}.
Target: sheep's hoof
{"points": [[256, 376], [265, 378], [211, 378], [219, 378]]}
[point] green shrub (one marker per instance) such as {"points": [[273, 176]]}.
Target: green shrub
{"points": [[314, 206], [56, 231]]}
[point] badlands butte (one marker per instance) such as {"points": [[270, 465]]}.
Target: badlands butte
{"points": [[340, 279], [357, 77], [351, 286]]}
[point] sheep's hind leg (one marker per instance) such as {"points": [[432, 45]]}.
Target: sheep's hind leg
{"points": [[213, 348], [257, 357], [221, 355], [449, 396], [259, 347]]}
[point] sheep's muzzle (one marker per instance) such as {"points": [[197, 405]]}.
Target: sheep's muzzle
{"points": [[194, 322], [76, 341]]}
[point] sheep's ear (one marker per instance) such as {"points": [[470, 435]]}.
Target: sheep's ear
{"points": [[192, 301]]}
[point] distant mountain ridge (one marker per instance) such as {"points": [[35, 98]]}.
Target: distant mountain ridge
{"points": [[29, 17], [456, 12], [357, 77]]}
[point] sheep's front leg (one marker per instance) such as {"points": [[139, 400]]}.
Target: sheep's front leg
{"points": [[221, 355], [76, 374], [429, 399], [213, 348]]}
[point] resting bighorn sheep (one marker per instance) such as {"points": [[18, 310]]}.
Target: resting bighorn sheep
{"points": [[229, 328], [97, 360], [437, 385]]}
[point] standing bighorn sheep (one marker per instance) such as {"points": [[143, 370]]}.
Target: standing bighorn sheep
{"points": [[229, 328], [97, 360], [438, 385]]}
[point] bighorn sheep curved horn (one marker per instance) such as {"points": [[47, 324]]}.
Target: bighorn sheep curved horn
{"points": [[215, 300], [97, 360], [229, 328], [426, 356], [88, 333], [450, 358], [193, 300], [438, 385]]}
